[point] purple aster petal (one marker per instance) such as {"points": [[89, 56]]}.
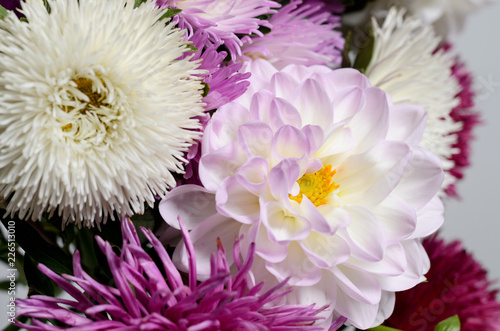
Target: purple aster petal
{"points": [[301, 33], [223, 20]]}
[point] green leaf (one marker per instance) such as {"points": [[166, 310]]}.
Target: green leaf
{"points": [[138, 3], [37, 281], [346, 62], [34, 245], [191, 48], [449, 324], [145, 220], [171, 12], [383, 328], [47, 6], [206, 89], [3, 12], [365, 54]]}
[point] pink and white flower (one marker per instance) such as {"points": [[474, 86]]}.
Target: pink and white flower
{"points": [[325, 175]]}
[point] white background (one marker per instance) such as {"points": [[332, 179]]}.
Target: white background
{"points": [[475, 218]]}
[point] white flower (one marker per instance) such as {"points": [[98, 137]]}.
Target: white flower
{"points": [[95, 108], [447, 16], [325, 175], [406, 65]]}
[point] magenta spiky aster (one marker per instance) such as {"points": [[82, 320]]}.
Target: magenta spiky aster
{"points": [[142, 296]]}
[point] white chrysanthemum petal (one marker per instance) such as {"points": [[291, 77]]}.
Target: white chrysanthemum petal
{"points": [[95, 108], [406, 65]]}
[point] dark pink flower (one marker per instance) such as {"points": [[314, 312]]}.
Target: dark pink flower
{"points": [[465, 114], [142, 297], [456, 284]]}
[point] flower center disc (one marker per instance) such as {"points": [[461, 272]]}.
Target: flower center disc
{"points": [[85, 86], [93, 110], [316, 186]]}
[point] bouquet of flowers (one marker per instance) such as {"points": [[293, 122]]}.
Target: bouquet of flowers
{"points": [[236, 165]]}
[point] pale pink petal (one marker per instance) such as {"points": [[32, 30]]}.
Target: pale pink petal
{"points": [[320, 294], [417, 265], [313, 104], [289, 142], [297, 266], [192, 203], [314, 216], [407, 124], [255, 139], [218, 165], [282, 178], [386, 307], [370, 177], [325, 251], [359, 314], [362, 287], [260, 105], [235, 201], [253, 175], [283, 113], [347, 103], [281, 227], [339, 141], [261, 68], [315, 136], [393, 264], [397, 217], [336, 217], [266, 248], [366, 234], [370, 124], [422, 180], [218, 133], [349, 78], [430, 218], [283, 85]]}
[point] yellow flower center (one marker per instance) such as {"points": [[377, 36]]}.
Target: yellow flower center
{"points": [[316, 186]]}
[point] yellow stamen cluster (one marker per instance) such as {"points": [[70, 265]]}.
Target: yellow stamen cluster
{"points": [[316, 186]]}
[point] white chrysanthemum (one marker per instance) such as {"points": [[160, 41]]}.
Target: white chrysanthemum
{"points": [[95, 108], [406, 65], [447, 16]]}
